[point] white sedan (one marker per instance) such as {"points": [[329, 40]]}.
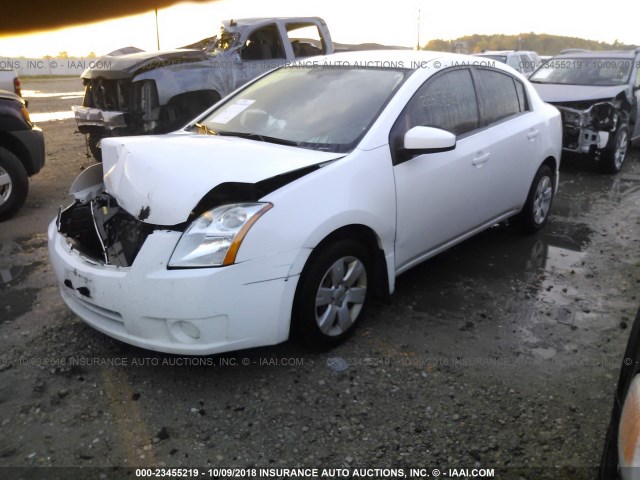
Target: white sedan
{"points": [[285, 207]]}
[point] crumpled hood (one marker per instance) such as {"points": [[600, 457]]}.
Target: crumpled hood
{"points": [[125, 66], [159, 179], [553, 93]]}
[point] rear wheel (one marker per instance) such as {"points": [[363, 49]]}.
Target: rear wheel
{"points": [[14, 184], [615, 153], [536, 209], [332, 294]]}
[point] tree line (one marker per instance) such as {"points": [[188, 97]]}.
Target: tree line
{"points": [[544, 44]]}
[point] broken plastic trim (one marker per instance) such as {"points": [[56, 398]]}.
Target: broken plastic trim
{"points": [[103, 232], [587, 130], [99, 229]]}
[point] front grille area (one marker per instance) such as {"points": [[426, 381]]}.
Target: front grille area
{"points": [[103, 231], [108, 94]]}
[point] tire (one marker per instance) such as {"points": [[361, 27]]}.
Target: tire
{"points": [[96, 151], [14, 184], [535, 213], [615, 153], [332, 294], [628, 371]]}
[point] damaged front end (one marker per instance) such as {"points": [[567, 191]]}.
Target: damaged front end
{"points": [[121, 94], [97, 227], [119, 106], [588, 126]]}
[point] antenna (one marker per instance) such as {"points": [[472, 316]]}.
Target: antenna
{"points": [[157, 31], [418, 44]]}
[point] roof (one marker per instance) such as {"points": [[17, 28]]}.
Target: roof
{"points": [[242, 23], [408, 59], [495, 52], [503, 52]]}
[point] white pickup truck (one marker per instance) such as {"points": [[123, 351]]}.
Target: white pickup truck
{"points": [[9, 81], [132, 92]]}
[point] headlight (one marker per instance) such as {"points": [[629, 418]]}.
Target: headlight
{"points": [[603, 115], [572, 117], [628, 433], [214, 238]]}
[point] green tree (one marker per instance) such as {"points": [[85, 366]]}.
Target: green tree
{"points": [[542, 43]]}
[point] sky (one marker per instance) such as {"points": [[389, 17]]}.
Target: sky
{"points": [[349, 21]]}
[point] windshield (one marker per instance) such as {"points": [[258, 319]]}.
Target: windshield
{"points": [[326, 108], [605, 72]]}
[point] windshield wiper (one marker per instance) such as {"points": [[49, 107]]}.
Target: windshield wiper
{"points": [[257, 136]]}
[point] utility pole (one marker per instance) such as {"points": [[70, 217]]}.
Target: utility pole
{"points": [[157, 32], [418, 44]]}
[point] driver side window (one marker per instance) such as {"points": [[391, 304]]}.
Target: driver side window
{"points": [[446, 101]]}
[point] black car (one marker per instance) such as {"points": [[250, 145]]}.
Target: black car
{"points": [[21, 152], [621, 457], [598, 95]]}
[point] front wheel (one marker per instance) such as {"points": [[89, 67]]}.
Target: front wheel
{"points": [[615, 153], [536, 209], [94, 145], [14, 184], [332, 294]]}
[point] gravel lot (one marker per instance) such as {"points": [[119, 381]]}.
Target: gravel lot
{"points": [[501, 353]]}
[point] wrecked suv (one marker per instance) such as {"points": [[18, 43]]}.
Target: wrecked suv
{"points": [[598, 96], [133, 92]]}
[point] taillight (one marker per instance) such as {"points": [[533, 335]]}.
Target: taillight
{"points": [[16, 86]]}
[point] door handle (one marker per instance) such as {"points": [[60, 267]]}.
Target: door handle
{"points": [[480, 159], [533, 134]]}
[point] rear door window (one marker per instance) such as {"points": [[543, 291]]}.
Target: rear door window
{"points": [[500, 95]]}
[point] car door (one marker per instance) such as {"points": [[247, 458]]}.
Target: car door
{"points": [[440, 196], [516, 149]]}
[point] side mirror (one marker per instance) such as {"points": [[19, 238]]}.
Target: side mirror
{"points": [[419, 140]]}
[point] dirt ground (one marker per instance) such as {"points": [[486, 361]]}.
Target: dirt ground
{"points": [[501, 353]]}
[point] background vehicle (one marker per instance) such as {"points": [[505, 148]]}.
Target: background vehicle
{"points": [[523, 61], [308, 216], [621, 456], [21, 153], [9, 82], [598, 95], [158, 92]]}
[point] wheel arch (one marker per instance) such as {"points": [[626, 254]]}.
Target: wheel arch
{"points": [[19, 150], [552, 163], [382, 286], [185, 106], [205, 95]]}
